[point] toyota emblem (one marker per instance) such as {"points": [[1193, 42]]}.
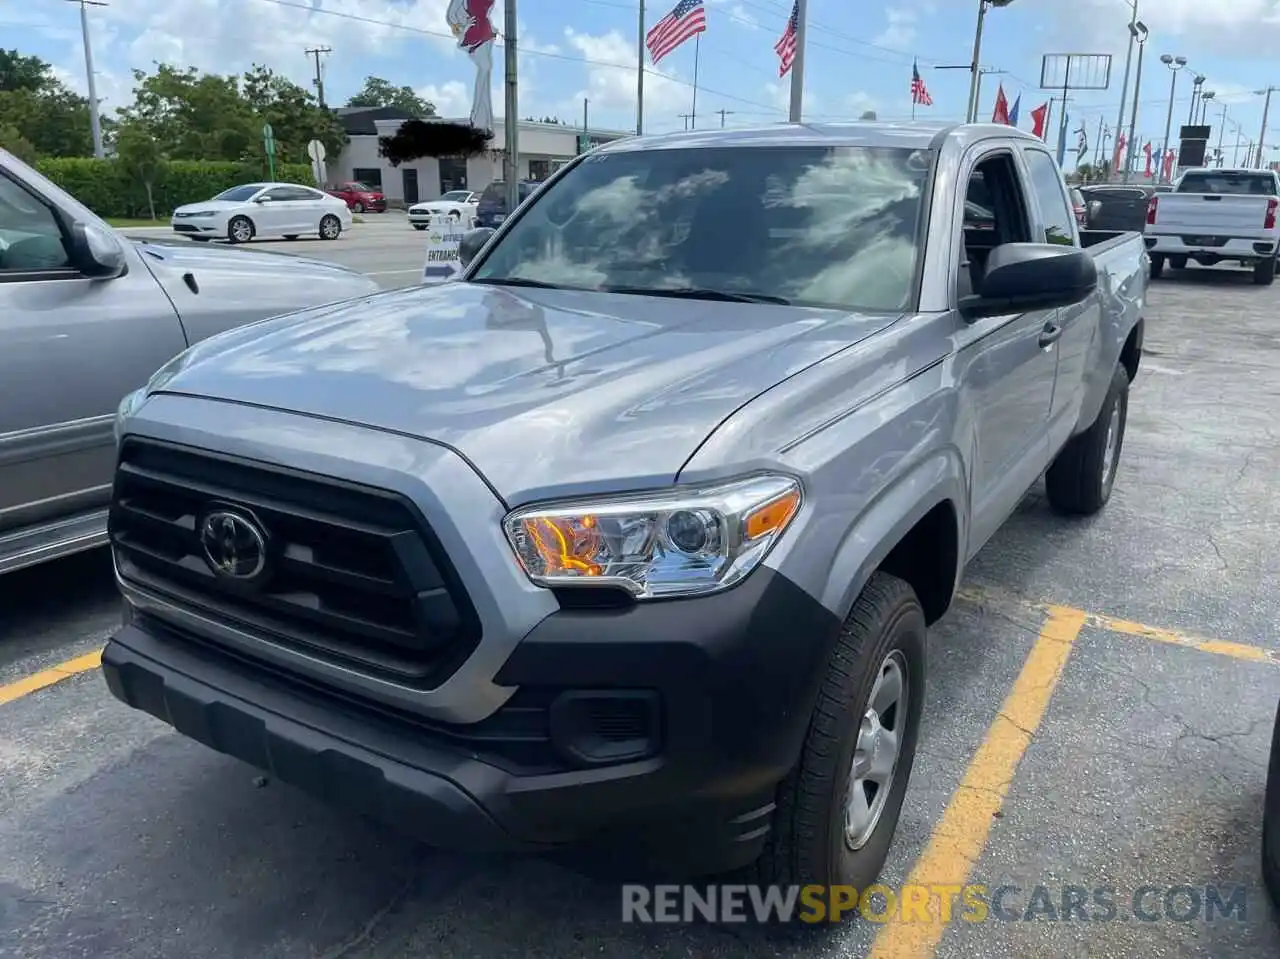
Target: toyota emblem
{"points": [[234, 545]]}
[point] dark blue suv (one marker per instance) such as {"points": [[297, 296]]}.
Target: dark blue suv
{"points": [[492, 208]]}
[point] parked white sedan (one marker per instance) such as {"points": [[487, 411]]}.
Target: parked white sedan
{"points": [[460, 204], [263, 209]]}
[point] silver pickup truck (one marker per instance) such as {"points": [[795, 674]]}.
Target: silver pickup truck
{"points": [[1214, 216], [87, 315], [629, 538]]}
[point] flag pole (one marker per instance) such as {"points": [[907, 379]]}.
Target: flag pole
{"points": [[797, 64], [697, 53], [640, 74]]}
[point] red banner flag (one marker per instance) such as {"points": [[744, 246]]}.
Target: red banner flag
{"points": [[1038, 116], [1001, 112]]}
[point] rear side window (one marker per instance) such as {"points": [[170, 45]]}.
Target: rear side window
{"points": [[1243, 183], [495, 192], [1051, 197]]}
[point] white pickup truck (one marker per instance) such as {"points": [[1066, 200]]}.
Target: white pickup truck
{"points": [[1213, 215]]}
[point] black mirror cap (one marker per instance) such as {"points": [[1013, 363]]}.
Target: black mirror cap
{"points": [[472, 242], [1094, 208], [1033, 276]]}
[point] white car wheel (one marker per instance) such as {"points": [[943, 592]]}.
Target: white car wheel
{"points": [[330, 227]]}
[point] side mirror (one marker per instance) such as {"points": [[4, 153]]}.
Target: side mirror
{"points": [[96, 251], [1093, 209], [472, 242], [1032, 276]]}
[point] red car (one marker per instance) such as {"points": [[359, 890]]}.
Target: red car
{"points": [[359, 197]]}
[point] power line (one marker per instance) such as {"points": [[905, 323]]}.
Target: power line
{"points": [[421, 31]]}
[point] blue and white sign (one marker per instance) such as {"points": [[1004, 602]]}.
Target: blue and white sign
{"points": [[444, 235]]}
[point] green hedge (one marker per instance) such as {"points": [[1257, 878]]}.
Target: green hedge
{"points": [[104, 187]]}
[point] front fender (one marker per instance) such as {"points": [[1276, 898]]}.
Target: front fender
{"points": [[888, 518]]}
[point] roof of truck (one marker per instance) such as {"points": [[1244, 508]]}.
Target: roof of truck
{"points": [[913, 135]]}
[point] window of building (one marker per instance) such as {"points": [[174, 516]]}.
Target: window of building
{"points": [[368, 175], [540, 169], [453, 174]]}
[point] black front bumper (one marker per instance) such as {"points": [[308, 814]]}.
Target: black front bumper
{"points": [[732, 680]]}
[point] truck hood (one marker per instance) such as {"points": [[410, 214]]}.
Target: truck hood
{"points": [[546, 392], [234, 286]]}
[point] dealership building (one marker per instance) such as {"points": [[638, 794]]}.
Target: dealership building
{"points": [[544, 148]]}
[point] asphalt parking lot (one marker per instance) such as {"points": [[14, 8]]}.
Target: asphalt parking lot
{"points": [[382, 245], [1098, 721]]}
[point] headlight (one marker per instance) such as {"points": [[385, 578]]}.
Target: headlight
{"points": [[676, 543], [128, 406], [133, 401]]}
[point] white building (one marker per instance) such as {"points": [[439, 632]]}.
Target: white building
{"points": [[544, 147]]}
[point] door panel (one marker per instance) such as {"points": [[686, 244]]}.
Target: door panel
{"points": [[73, 347]]}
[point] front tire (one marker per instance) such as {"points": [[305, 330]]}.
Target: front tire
{"points": [[240, 230], [837, 812], [1080, 480], [357, 207], [330, 227]]}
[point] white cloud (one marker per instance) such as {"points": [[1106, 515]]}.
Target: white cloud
{"points": [[451, 99], [779, 94], [1236, 28], [900, 32], [611, 79], [859, 103]]}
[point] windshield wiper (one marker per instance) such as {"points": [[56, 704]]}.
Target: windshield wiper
{"points": [[517, 281], [697, 293]]}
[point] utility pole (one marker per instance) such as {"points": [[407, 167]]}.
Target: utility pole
{"points": [[95, 119], [317, 52], [1266, 110], [640, 74], [1124, 87], [723, 114], [797, 65], [511, 163], [686, 117]]}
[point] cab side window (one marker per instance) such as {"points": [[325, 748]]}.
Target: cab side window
{"points": [[1051, 197], [280, 194], [995, 213], [30, 238]]}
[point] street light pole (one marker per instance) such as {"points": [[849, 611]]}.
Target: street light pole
{"points": [[1174, 64], [1266, 109], [1203, 111], [1124, 87], [95, 119], [1222, 129], [1138, 30], [975, 71], [512, 109], [1195, 98]]}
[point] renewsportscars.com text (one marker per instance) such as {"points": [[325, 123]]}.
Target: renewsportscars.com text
{"points": [[932, 903]]}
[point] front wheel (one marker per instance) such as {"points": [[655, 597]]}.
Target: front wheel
{"points": [[357, 207], [838, 810], [1157, 265], [240, 229], [1082, 475], [330, 227]]}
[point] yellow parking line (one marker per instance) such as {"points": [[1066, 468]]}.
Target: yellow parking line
{"points": [[1255, 654], [961, 833], [47, 677]]}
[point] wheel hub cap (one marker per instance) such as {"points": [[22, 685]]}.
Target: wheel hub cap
{"points": [[875, 755], [1110, 446]]}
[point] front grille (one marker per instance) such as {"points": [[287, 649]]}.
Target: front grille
{"points": [[354, 576]]}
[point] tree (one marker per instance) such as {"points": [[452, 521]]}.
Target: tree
{"points": [[294, 113], [378, 92], [16, 143], [38, 109], [142, 157], [196, 116]]}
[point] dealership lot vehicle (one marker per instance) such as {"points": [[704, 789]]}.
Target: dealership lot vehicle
{"points": [[258, 210], [359, 197], [491, 208], [117, 832], [86, 316], [460, 205], [1217, 215], [675, 529]]}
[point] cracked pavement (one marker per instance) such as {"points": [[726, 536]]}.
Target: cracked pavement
{"points": [[121, 839]]}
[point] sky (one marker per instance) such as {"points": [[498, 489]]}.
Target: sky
{"points": [[859, 56]]}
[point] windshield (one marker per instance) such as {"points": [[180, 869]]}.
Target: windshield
{"points": [[818, 226], [456, 195], [356, 187], [238, 193], [1242, 183], [495, 192]]}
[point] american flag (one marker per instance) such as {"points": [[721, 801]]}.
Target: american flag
{"points": [[919, 94], [687, 19], [786, 45]]}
